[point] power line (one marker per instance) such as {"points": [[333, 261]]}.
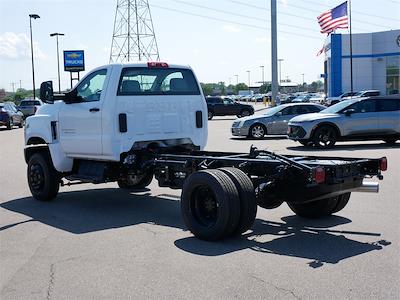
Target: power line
{"points": [[232, 22], [299, 7], [358, 12], [264, 20]]}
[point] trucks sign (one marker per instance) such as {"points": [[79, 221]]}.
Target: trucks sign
{"points": [[74, 60]]}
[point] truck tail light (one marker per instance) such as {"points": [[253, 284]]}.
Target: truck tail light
{"points": [[157, 64], [319, 175], [383, 164]]}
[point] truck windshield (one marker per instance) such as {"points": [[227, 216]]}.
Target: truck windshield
{"points": [[157, 81]]}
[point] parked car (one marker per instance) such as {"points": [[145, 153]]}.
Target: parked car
{"points": [[302, 98], [368, 93], [10, 115], [374, 118], [30, 106], [288, 99], [333, 100], [218, 106], [273, 121]]}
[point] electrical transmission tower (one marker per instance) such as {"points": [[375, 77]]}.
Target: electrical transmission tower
{"points": [[133, 36]]}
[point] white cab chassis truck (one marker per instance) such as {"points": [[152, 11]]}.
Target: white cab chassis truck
{"points": [[130, 123]]}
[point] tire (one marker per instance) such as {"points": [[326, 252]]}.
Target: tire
{"points": [[316, 209], [210, 205], [245, 113], [210, 115], [135, 181], [10, 124], [305, 143], [390, 141], [257, 131], [342, 202], [248, 202], [43, 179], [324, 137], [22, 123]]}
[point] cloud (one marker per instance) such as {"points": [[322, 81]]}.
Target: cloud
{"points": [[17, 46], [231, 28], [284, 2]]}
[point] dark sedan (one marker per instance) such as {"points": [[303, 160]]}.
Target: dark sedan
{"points": [[218, 106], [10, 115]]}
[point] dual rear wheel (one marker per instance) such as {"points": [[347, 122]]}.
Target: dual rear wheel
{"points": [[218, 203]]}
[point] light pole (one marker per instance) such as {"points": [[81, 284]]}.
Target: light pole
{"points": [[33, 16], [237, 79], [248, 73], [262, 75], [302, 85], [280, 60], [56, 34]]}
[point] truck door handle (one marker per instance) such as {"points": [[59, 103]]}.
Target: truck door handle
{"points": [[95, 109]]}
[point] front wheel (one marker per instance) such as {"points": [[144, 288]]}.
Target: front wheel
{"points": [[210, 115], [257, 131], [22, 123], [43, 179], [324, 137]]}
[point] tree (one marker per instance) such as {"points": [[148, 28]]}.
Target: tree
{"points": [[240, 87], [265, 88]]}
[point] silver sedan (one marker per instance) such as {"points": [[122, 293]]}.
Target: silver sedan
{"points": [[273, 121]]}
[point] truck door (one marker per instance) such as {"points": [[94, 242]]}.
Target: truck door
{"points": [[80, 124]]}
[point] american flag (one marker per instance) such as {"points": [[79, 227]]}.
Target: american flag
{"points": [[334, 18]]}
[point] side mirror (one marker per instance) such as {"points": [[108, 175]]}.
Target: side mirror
{"points": [[46, 92], [349, 112]]}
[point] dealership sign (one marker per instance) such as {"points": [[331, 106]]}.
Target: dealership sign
{"points": [[74, 60]]}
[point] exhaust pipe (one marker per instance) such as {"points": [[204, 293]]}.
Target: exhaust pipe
{"points": [[368, 187]]}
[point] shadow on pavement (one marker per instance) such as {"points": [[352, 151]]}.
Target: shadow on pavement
{"points": [[295, 237], [347, 147], [94, 210], [267, 137]]}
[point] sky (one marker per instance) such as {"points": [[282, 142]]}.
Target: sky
{"points": [[219, 39]]}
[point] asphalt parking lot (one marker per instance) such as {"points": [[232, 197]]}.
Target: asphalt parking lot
{"points": [[96, 241]]}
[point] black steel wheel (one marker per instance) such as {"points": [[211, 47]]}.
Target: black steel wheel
{"points": [[257, 131], [390, 141], [135, 181], [245, 113], [210, 205], [43, 179], [342, 202], [324, 137], [10, 124], [320, 208], [248, 203], [210, 115]]}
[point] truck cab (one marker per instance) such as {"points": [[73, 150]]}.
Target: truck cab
{"points": [[119, 107]]}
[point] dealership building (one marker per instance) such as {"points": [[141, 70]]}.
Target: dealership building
{"points": [[376, 62]]}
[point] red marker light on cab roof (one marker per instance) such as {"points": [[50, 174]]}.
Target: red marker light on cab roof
{"points": [[383, 164], [157, 64], [319, 175]]}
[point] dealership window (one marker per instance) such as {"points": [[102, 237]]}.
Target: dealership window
{"points": [[392, 75]]}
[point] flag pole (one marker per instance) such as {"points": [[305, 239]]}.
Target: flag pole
{"points": [[351, 50]]}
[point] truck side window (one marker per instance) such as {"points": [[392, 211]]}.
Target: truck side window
{"points": [[90, 88]]}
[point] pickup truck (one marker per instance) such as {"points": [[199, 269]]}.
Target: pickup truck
{"points": [[130, 123]]}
